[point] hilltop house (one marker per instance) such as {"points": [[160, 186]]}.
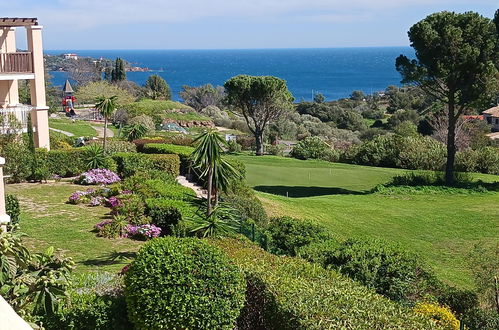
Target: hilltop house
{"points": [[491, 116], [27, 65]]}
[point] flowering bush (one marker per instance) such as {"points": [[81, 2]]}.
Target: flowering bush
{"points": [[143, 231], [98, 176], [97, 200], [442, 315], [79, 197], [102, 224], [113, 202]]}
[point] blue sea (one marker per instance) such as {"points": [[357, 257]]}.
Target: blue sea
{"points": [[334, 72]]}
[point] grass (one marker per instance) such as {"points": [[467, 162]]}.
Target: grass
{"points": [[441, 227], [78, 128], [49, 221]]}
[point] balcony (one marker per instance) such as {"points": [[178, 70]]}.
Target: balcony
{"points": [[14, 119], [16, 63]]}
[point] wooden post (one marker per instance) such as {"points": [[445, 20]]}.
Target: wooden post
{"points": [[4, 217]]}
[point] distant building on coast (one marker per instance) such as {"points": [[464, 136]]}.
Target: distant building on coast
{"points": [[70, 56]]}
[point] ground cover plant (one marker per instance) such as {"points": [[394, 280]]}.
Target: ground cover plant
{"points": [[338, 196]]}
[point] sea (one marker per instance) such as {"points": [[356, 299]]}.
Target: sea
{"points": [[333, 72]]}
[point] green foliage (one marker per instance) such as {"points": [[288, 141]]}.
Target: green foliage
{"points": [[95, 156], [130, 163], [18, 160], [484, 160], [183, 284], [153, 108], [287, 234], [221, 221], [441, 314], [89, 92], [65, 163], [158, 188], [134, 131], [479, 319], [314, 147], [401, 116], [157, 88], [144, 120], [32, 283], [95, 302], [12, 209], [259, 100], [167, 213], [118, 73], [290, 293], [387, 268], [243, 199], [202, 96], [484, 265], [116, 145], [183, 153], [132, 207]]}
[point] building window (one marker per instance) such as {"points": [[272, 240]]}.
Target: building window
{"points": [[489, 120], [497, 121]]}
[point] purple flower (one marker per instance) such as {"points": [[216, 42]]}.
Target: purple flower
{"points": [[143, 231], [78, 197], [114, 202], [97, 200], [102, 224], [98, 176]]}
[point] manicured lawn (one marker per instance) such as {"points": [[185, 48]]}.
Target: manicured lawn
{"points": [[49, 221], [78, 128], [442, 227]]}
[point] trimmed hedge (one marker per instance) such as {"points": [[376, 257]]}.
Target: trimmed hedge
{"points": [[129, 164], [290, 293], [160, 189], [166, 213], [183, 283], [183, 153]]}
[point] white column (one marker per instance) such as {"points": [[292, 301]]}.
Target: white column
{"points": [[12, 48], [4, 217], [39, 115]]}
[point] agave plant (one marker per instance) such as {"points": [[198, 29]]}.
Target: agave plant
{"points": [[95, 156], [223, 220]]}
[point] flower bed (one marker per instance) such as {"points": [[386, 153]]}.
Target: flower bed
{"points": [[143, 231], [98, 176]]}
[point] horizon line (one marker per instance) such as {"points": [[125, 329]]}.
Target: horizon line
{"points": [[182, 49]]}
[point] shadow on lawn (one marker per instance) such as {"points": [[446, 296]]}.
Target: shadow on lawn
{"points": [[110, 258], [300, 191]]}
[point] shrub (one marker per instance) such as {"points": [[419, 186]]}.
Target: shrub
{"points": [[173, 138], [145, 121], [479, 319], [290, 293], [380, 151], [183, 284], [385, 267], [421, 153], [182, 151], [233, 147], [132, 207], [129, 164], [18, 161], [166, 213], [115, 145], [442, 315], [246, 142], [243, 199], [12, 209], [94, 302], [161, 189], [98, 176], [287, 234], [117, 227], [276, 150], [310, 148]]}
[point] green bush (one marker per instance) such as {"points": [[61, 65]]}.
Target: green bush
{"points": [[64, 162], [167, 213], [380, 151], [287, 234], [243, 199], [116, 145], [129, 164], [155, 108], [313, 147], [132, 207], [421, 153], [385, 267], [479, 319], [290, 293], [97, 303], [161, 189], [12, 208], [18, 161], [183, 283], [183, 152]]}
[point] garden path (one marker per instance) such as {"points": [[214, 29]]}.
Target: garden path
{"points": [[61, 131], [100, 131], [200, 192]]}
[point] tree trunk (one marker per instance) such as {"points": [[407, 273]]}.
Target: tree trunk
{"points": [[209, 208], [451, 143], [105, 134], [259, 142], [496, 287]]}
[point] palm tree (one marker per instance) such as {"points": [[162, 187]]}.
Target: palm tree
{"points": [[106, 107], [207, 158]]}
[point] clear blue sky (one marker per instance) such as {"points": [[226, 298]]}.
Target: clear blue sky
{"points": [[200, 24]]}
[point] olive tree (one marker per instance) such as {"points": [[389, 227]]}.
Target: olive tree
{"points": [[260, 100], [456, 63]]}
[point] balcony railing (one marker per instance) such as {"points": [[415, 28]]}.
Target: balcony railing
{"points": [[14, 119], [20, 62]]}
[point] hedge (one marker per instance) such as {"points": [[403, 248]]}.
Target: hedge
{"points": [[290, 293], [166, 213], [130, 163], [160, 189], [183, 283], [12, 208], [183, 153]]}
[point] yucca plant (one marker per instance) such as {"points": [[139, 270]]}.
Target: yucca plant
{"points": [[95, 156], [134, 132], [221, 221], [207, 159], [106, 107]]}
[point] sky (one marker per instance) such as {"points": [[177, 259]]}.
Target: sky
{"points": [[229, 24]]}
